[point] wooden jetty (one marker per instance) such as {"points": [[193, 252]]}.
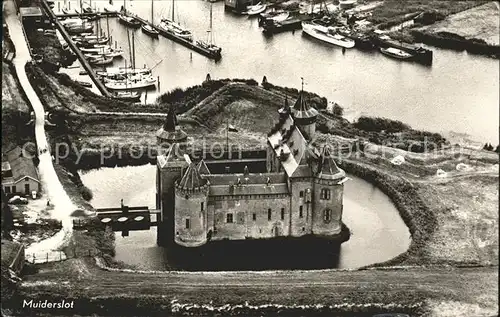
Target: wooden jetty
{"points": [[87, 15], [75, 49], [191, 45]]}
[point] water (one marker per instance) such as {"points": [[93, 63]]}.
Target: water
{"points": [[378, 232], [460, 92]]}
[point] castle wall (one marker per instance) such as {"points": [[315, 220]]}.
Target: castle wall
{"points": [[190, 218], [243, 224], [324, 224], [300, 224]]}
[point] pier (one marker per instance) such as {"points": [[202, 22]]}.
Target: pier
{"points": [[72, 45], [191, 45]]}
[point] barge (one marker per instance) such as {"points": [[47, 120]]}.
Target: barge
{"points": [[419, 53]]}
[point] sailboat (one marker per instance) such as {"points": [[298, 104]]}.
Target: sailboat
{"points": [[148, 28], [212, 48], [256, 9], [128, 21], [174, 28]]}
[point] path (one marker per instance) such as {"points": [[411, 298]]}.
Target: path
{"points": [[63, 206]]}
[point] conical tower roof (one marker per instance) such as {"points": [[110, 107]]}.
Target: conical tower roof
{"points": [[328, 169], [301, 108], [192, 180], [170, 132], [171, 121], [286, 110], [203, 168]]}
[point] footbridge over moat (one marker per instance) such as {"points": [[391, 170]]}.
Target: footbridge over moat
{"points": [[124, 219]]}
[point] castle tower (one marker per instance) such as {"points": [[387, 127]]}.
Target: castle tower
{"points": [[191, 198], [328, 196], [170, 132], [168, 170], [305, 116]]}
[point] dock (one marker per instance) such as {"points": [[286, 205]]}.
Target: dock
{"points": [[191, 45], [90, 71], [86, 15]]}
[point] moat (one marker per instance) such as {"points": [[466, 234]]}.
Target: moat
{"points": [[378, 232]]}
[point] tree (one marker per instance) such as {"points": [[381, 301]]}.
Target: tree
{"points": [[497, 149], [337, 110]]}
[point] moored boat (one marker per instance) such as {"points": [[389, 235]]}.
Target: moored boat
{"points": [[256, 9], [149, 30], [101, 60], [327, 35], [175, 29], [127, 95], [129, 21], [395, 53], [134, 82], [112, 72], [100, 49], [84, 83]]}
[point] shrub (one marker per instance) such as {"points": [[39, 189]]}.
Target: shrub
{"points": [[86, 193], [337, 110], [376, 124]]}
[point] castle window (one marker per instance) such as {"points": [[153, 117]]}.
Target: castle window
{"points": [[202, 206], [229, 218], [269, 214], [188, 223], [325, 194], [254, 216], [7, 189], [301, 214], [327, 215], [301, 194], [282, 213]]}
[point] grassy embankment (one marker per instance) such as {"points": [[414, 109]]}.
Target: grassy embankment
{"points": [[460, 25]]}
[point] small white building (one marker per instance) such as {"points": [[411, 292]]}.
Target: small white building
{"points": [[19, 174]]}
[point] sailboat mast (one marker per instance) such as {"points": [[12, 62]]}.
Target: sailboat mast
{"points": [[133, 50], [210, 29], [173, 8], [152, 22], [129, 46]]}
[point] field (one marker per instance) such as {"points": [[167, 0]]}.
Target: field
{"points": [[481, 22]]}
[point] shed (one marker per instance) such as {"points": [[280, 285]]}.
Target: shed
{"points": [[19, 174]]}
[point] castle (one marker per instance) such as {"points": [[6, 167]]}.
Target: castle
{"points": [[299, 196]]}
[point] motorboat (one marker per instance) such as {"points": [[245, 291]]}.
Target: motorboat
{"points": [[396, 53], [281, 17], [134, 82], [127, 95], [149, 30], [114, 53], [129, 21], [328, 35], [91, 42], [175, 29], [256, 9]]}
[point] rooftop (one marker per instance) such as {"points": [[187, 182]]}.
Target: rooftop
{"points": [[20, 165]]}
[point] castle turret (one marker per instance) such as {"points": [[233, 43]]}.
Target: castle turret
{"points": [[328, 193], [170, 132], [191, 198], [305, 116]]}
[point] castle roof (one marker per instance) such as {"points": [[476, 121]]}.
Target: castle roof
{"points": [[203, 168], [301, 108], [328, 169], [192, 180], [289, 145]]}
